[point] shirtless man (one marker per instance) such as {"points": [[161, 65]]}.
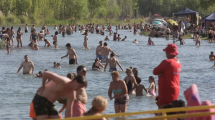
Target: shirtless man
{"points": [[26, 28], [27, 66], [98, 55], [69, 30], [112, 62], [79, 106], [105, 51], [72, 54], [58, 86], [11, 33]]}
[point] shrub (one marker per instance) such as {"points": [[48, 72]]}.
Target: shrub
{"points": [[11, 19], [2, 20], [24, 19]]}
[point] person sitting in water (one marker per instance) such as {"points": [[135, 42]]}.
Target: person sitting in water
{"points": [[212, 56], [112, 63], [47, 42], [150, 42], [135, 41], [58, 65], [96, 65], [124, 38], [139, 87], [152, 88], [118, 38], [106, 38], [99, 105], [34, 47], [55, 65], [39, 75], [102, 33]]}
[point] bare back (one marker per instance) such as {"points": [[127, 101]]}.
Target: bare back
{"points": [[112, 62], [105, 50]]}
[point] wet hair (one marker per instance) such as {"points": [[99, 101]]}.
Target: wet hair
{"points": [[45, 40], [100, 41], [99, 104], [105, 44], [212, 52], [68, 45], [115, 73], [112, 55], [81, 80], [138, 79], [71, 76], [56, 33], [11, 28], [79, 68], [40, 72], [26, 56]]}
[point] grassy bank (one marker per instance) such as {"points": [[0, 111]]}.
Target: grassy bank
{"points": [[13, 20]]}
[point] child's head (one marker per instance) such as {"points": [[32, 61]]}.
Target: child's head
{"points": [[125, 36], [138, 79], [151, 79], [55, 63], [45, 40], [56, 33], [58, 64], [99, 104]]}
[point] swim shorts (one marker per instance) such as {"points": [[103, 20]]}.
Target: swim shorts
{"points": [[104, 58], [100, 57], [32, 113], [122, 101], [68, 32], [72, 61], [43, 106], [26, 31], [112, 69], [78, 109]]}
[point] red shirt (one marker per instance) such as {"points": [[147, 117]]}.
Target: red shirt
{"points": [[168, 83]]}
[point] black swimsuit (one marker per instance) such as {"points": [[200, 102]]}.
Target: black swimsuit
{"points": [[129, 86]]}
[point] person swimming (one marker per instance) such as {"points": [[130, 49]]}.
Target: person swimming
{"points": [[135, 41], [96, 65], [152, 88], [150, 42]]}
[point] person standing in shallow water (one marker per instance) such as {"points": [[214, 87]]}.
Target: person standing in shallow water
{"points": [[119, 89], [55, 38], [19, 38], [72, 54], [27, 65], [85, 41], [112, 62], [169, 74], [130, 81]]}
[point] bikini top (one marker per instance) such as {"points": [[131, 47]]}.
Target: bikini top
{"points": [[117, 91]]}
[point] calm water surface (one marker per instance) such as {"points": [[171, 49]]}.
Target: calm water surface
{"points": [[17, 91]]}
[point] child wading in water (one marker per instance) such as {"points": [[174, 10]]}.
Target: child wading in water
{"points": [[8, 45], [139, 87], [152, 88]]}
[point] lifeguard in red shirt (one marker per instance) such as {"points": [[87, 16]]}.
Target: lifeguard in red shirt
{"points": [[169, 74]]}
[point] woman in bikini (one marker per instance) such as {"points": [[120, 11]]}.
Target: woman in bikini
{"points": [[119, 89], [96, 65], [130, 80], [19, 38], [55, 40], [198, 41]]}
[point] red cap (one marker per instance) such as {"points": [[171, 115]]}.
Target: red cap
{"points": [[171, 49]]}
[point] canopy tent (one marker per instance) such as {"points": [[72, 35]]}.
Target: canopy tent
{"points": [[203, 19], [210, 18], [186, 11]]}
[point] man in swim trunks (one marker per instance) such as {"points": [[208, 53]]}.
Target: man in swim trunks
{"points": [[169, 74], [105, 51], [27, 65], [58, 86], [72, 54], [69, 30], [112, 63], [97, 50], [79, 107]]}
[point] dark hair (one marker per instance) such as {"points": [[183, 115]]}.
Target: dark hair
{"points": [[46, 70], [212, 52], [138, 79], [68, 45], [26, 56], [11, 28], [71, 76], [8, 39], [81, 80], [169, 106], [105, 44], [95, 62], [100, 41], [56, 33], [112, 54], [45, 40], [136, 75], [40, 71], [79, 68]]}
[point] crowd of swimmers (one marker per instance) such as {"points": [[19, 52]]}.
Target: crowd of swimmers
{"points": [[70, 91]]}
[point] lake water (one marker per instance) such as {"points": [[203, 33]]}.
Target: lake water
{"points": [[17, 90]]}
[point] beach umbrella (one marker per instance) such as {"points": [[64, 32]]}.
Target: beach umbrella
{"points": [[158, 22], [172, 22], [157, 15]]}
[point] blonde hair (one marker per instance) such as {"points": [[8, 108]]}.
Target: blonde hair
{"points": [[115, 73], [130, 69], [99, 104]]}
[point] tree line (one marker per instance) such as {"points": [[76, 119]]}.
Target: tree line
{"points": [[99, 9]]}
